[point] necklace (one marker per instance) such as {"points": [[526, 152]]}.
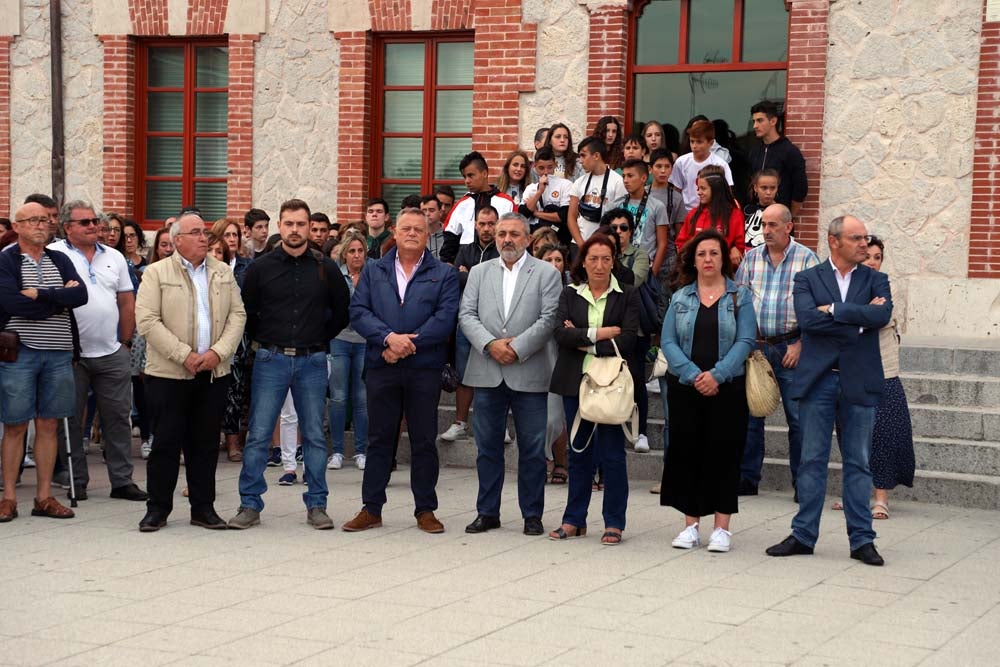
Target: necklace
{"points": [[711, 297]]}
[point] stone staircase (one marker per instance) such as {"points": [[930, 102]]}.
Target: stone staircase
{"points": [[953, 388]]}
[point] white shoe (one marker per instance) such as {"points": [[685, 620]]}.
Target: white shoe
{"points": [[653, 386], [145, 449], [28, 461], [335, 462], [86, 445], [359, 461], [454, 432], [687, 538], [642, 444], [720, 540], [506, 437]]}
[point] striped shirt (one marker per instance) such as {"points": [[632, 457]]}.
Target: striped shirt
{"points": [[771, 286], [199, 276], [54, 332]]}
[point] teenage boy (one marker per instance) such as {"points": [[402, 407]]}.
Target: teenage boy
{"points": [[460, 226], [546, 202], [652, 225], [701, 134], [379, 234], [319, 229], [777, 152], [431, 208], [661, 165], [593, 192], [257, 223], [446, 195]]}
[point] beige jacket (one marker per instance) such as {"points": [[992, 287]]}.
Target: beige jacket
{"points": [[166, 314]]}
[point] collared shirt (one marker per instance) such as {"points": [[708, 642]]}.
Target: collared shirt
{"points": [[402, 280], [199, 276], [843, 282], [510, 281], [105, 276], [595, 314], [54, 332], [771, 286]]}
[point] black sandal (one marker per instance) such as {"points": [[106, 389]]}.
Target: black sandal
{"points": [[560, 534], [559, 475], [611, 538]]}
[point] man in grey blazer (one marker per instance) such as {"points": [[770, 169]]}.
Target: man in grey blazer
{"points": [[508, 313]]}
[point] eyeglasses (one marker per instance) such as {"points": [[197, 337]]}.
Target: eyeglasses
{"points": [[34, 221], [131, 235], [620, 228], [87, 222], [231, 235], [116, 230], [197, 233], [858, 238]]}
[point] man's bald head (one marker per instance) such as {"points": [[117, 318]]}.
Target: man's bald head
{"points": [[31, 222]]}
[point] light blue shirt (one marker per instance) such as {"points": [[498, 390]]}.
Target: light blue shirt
{"points": [[199, 276]]}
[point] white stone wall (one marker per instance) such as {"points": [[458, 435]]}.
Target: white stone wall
{"points": [[31, 108], [561, 78], [83, 100], [295, 108], [898, 138]]}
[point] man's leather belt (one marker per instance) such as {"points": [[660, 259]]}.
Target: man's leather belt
{"points": [[774, 340], [293, 351]]}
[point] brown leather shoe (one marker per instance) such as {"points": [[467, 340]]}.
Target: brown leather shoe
{"points": [[8, 510], [427, 522], [363, 521], [50, 507]]}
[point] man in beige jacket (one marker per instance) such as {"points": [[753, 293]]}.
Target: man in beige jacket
{"points": [[190, 311]]}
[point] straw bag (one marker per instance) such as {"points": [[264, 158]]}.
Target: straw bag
{"points": [[607, 396], [763, 394]]}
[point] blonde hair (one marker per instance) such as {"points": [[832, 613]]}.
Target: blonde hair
{"points": [[349, 237]]}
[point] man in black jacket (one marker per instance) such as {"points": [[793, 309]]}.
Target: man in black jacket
{"points": [[778, 153]]}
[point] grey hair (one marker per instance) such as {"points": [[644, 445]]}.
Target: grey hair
{"points": [[67, 210], [409, 210], [514, 215], [175, 226], [836, 226]]}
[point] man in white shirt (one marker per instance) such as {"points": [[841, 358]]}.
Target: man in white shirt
{"points": [[594, 192], [105, 323], [546, 203]]}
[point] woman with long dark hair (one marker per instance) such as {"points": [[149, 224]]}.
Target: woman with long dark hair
{"points": [[609, 130], [560, 140], [716, 210]]}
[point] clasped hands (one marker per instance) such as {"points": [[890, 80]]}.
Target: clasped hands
{"points": [[502, 352], [196, 363], [706, 384], [398, 346]]}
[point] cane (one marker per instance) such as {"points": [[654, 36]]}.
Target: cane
{"points": [[69, 459]]}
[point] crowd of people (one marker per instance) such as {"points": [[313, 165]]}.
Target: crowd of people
{"points": [[512, 295]]}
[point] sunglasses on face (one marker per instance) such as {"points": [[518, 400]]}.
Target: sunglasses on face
{"points": [[87, 222], [620, 228]]}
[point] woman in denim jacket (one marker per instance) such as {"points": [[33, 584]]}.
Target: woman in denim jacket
{"points": [[708, 333]]}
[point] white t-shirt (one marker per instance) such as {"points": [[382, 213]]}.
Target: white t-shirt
{"points": [[556, 192], [685, 176], [105, 277], [591, 195]]}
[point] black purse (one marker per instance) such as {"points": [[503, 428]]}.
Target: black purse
{"points": [[9, 342]]}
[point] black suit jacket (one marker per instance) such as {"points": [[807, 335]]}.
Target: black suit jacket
{"points": [[622, 310]]}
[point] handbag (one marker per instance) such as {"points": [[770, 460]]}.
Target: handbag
{"points": [[660, 366], [763, 393], [607, 396], [449, 379], [9, 342]]}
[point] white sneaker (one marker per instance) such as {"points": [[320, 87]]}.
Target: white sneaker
{"points": [[653, 386], [145, 449], [335, 462], [720, 540], [687, 538], [359, 461], [454, 432], [507, 439], [28, 461], [642, 444]]}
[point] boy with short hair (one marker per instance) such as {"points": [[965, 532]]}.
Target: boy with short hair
{"points": [[652, 225], [546, 203], [460, 225], [685, 173], [379, 233], [594, 192]]}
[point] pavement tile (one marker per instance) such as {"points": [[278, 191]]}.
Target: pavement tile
{"points": [[35, 651], [362, 656], [871, 651], [181, 639], [495, 651], [266, 650], [119, 656]]}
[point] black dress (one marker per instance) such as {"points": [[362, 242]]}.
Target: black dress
{"points": [[701, 472]]}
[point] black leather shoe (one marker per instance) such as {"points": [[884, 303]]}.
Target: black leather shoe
{"points": [[483, 523], [152, 522], [789, 547], [209, 520], [533, 526], [747, 488], [81, 493], [867, 554], [129, 492]]}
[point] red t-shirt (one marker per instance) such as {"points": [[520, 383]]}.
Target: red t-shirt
{"points": [[735, 237]]}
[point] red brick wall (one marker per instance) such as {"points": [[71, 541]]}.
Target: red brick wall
{"points": [[354, 147], [807, 47], [149, 17], [451, 15], [609, 49], [5, 183], [984, 237], [206, 17], [239, 194], [390, 15], [119, 124]]}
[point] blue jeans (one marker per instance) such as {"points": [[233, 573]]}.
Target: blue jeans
{"points": [[606, 447], [818, 411], [40, 384], [489, 419], [347, 363], [753, 452], [273, 376]]}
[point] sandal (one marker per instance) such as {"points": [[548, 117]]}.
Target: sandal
{"points": [[561, 534], [235, 456], [880, 511], [8, 510], [559, 474], [611, 538], [51, 508]]}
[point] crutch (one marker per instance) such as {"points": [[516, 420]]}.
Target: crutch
{"points": [[69, 459]]}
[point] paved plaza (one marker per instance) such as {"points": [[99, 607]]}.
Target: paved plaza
{"points": [[94, 591]]}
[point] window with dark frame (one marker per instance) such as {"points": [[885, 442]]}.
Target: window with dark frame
{"points": [[182, 123], [422, 114]]}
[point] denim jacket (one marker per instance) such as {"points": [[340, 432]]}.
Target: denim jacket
{"points": [[736, 339]]}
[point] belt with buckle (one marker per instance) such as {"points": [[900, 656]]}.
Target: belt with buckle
{"points": [[774, 340], [293, 351]]}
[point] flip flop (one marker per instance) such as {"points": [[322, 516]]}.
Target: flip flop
{"points": [[880, 514]]}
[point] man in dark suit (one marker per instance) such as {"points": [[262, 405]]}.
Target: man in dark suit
{"points": [[840, 304]]}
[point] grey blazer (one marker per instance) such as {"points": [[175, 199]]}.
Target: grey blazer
{"points": [[531, 321]]}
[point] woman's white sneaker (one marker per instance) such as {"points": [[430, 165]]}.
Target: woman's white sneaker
{"points": [[336, 462], [687, 538], [720, 541], [642, 444]]}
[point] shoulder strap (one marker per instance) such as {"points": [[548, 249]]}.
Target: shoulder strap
{"points": [[604, 190]]}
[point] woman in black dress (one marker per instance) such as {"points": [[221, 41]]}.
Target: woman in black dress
{"points": [[708, 333]]}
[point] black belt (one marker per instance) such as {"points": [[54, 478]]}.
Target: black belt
{"points": [[292, 351], [774, 340]]}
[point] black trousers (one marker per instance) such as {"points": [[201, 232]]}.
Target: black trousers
{"points": [[186, 415], [395, 392]]}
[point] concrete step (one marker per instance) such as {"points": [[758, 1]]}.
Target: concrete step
{"points": [[951, 389], [960, 356]]}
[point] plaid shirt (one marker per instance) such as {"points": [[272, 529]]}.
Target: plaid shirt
{"points": [[771, 286]]}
